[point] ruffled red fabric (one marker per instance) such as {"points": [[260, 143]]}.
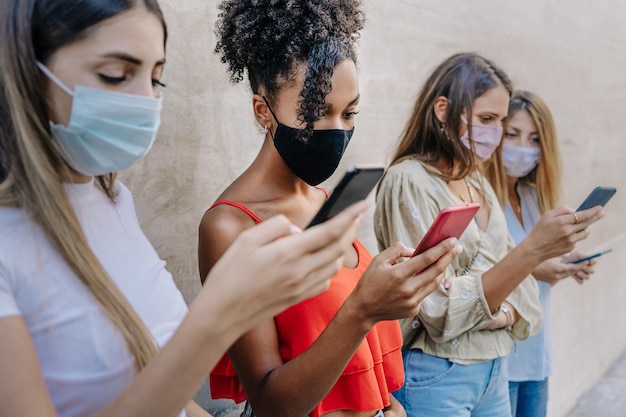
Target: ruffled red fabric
{"points": [[372, 374]]}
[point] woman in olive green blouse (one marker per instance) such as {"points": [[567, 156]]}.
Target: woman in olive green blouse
{"points": [[456, 345]]}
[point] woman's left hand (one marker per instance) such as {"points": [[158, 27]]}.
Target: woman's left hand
{"points": [[586, 268]]}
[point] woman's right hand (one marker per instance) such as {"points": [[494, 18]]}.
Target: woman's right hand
{"points": [[558, 230], [390, 290], [274, 265]]}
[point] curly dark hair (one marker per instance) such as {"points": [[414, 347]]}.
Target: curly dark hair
{"points": [[270, 38]]}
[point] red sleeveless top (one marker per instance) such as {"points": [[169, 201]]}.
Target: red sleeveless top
{"points": [[375, 370]]}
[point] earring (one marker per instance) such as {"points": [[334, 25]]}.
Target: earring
{"points": [[265, 131], [445, 131]]}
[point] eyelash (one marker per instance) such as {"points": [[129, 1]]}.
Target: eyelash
{"points": [[514, 135], [119, 80], [112, 80], [350, 115]]}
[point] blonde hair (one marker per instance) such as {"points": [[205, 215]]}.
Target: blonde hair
{"points": [[31, 170], [546, 177]]}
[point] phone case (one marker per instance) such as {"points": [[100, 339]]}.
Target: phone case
{"points": [[450, 222], [594, 256], [598, 197], [355, 186]]}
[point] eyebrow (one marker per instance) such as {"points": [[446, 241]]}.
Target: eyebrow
{"points": [[354, 100], [129, 58], [519, 130]]}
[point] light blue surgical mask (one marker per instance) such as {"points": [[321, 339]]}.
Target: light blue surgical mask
{"points": [[108, 131]]}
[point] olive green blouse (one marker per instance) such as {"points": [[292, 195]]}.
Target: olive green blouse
{"points": [[411, 195]]}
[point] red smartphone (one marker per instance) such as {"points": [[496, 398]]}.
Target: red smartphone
{"points": [[450, 222]]}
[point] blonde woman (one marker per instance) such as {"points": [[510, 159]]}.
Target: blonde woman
{"points": [[525, 173], [91, 323]]}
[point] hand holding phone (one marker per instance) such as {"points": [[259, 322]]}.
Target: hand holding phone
{"points": [[355, 185], [590, 257], [450, 222], [598, 197]]}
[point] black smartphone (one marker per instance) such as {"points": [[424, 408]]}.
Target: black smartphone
{"points": [[355, 185], [598, 197], [588, 258]]}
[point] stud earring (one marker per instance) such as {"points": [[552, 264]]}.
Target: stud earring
{"points": [[445, 131]]}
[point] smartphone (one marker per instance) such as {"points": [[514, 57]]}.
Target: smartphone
{"points": [[588, 258], [355, 186], [598, 197], [450, 222]]}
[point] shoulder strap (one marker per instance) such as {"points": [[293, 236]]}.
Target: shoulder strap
{"points": [[239, 206], [323, 190]]}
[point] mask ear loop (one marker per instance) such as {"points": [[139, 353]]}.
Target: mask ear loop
{"points": [[267, 129], [270, 109], [54, 78]]}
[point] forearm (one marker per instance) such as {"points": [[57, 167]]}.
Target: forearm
{"points": [[169, 381], [296, 387], [507, 274], [194, 410]]}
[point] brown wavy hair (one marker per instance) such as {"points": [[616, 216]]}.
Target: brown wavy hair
{"points": [[461, 79]]}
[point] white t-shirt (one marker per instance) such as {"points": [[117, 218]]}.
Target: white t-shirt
{"points": [[84, 358]]}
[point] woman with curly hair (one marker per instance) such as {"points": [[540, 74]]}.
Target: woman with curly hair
{"points": [[91, 323], [337, 354]]}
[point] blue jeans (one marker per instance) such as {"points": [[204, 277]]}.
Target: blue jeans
{"points": [[529, 398], [436, 387]]}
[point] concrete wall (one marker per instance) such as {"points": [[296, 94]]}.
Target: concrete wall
{"points": [[571, 53]]}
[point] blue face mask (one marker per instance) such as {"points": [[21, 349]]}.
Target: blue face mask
{"points": [[108, 131]]}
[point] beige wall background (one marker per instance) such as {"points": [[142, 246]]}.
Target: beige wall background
{"points": [[571, 53]]}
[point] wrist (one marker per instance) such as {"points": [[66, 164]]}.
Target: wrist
{"points": [[354, 314], [508, 313], [528, 251]]}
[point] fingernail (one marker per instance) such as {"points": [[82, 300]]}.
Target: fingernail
{"points": [[453, 241], [458, 249], [295, 230]]}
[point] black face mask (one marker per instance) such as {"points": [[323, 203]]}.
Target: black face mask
{"points": [[315, 160]]}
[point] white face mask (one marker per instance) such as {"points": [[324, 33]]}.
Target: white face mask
{"points": [[108, 131], [518, 161], [486, 139]]}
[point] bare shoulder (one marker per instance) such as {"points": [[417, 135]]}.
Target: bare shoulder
{"points": [[219, 227]]}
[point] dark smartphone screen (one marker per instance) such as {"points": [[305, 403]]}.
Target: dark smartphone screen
{"points": [[355, 185]]}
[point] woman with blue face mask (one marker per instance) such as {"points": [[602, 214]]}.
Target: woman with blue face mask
{"points": [[335, 354], [525, 172], [91, 322], [456, 345]]}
